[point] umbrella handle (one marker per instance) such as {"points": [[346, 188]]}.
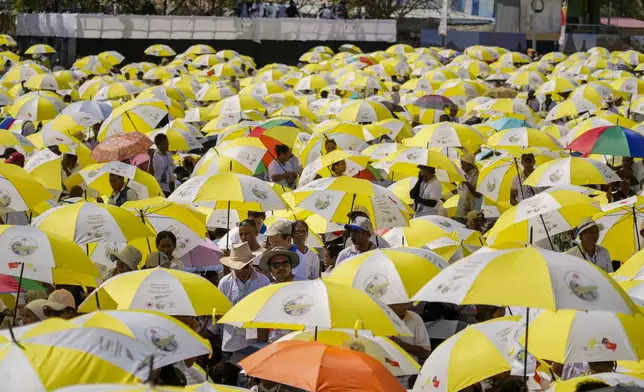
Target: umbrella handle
{"points": [[15, 307]]}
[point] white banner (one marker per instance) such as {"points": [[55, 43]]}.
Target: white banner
{"points": [[202, 28]]}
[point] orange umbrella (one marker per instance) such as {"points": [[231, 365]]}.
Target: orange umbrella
{"points": [[314, 366]]}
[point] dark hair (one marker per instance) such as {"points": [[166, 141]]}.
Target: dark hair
{"points": [[333, 165], [591, 385], [299, 222], [256, 214], [281, 149], [166, 234], [247, 222], [444, 117], [7, 152], [333, 250], [160, 137], [324, 94]]}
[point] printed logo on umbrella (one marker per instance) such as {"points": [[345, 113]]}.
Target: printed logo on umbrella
{"points": [[298, 305], [323, 202], [605, 342], [491, 186], [376, 285], [5, 199], [581, 286], [259, 192], [23, 246], [556, 176], [162, 339]]}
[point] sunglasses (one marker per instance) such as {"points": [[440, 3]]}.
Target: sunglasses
{"points": [[279, 264]]}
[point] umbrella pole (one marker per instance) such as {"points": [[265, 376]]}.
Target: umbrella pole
{"points": [[353, 200], [15, 307], [516, 164], [525, 353], [131, 122], [146, 238], [315, 336], [228, 227], [543, 222], [637, 234]]}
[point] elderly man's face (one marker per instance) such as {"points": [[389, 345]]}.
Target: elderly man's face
{"points": [[360, 237], [280, 268], [591, 235]]}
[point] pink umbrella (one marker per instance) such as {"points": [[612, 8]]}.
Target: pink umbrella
{"points": [[202, 257], [121, 147]]}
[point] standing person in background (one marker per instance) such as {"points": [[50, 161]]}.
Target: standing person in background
{"points": [[121, 193], [427, 192], [311, 259], [284, 169], [291, 10], [163, 165], [469, 199], [518, 191]]}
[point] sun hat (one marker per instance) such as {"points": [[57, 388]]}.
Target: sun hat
{"points": [[240, 256], [360, 223], [281, 227], [129, 255], [278, 251], [59, 300], [586, 224], [356, 209]]}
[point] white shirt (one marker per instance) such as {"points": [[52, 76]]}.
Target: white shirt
{"points": [[233, 237], [525, 191], [417, 326], [290, 166], [349, 252], [429, 190], [312, 261], [163, 169], [466, 201], [234, 338], [601, 258], [302, 270]]}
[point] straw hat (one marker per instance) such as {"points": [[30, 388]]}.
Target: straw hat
{"points": [[240, 256]]}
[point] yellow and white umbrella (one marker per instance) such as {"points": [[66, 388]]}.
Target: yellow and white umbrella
{"points": [[40, 49], [355, 162], [45, 256], [87, 223], [228, 190], [187, 224], [523, 137], [172, 340], [56, 353], [595, 336], [46, 167], [44, 82], [117, 90], [333, 198], [19, 190], [541, 279], [134, 116], [571, 108], [215, 92], [541, 216], [179, 139], [160, 50], [444, 370], [572, 171], [446, 134], [362, 111], [612, 379], [97, 177], [314, 304], [173, 292], [243, 155], [237, 104], [391, 275], [37, 106]]}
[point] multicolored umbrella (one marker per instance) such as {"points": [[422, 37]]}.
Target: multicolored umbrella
{"points": [[610, 140]]}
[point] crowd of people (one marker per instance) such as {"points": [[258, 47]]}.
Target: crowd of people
{"points": [[381, 167]]}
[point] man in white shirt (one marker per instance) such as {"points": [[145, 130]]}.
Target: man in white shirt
{"points": [[587, 248], [360, 230], [376, 238], [239, 283], [163, 165], [234, 236], [284, 169], [518, 191], [427, 192], [469, 199], [418, 346]]}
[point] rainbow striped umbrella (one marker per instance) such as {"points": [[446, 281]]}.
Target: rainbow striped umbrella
{"points": [[610, 140]]}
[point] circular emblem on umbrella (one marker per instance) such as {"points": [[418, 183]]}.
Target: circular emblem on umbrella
{"points": [[515, 137], [376, 285], [445, 224], [491, 185], [92, 173], [259, 192], [298, 305], [323, 202], [5, 199], [413, 155], [23, 246], [556, 175], [582, 286], [162, 339]]}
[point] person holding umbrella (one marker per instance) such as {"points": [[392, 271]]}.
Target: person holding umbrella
{"points": [[587, 248], [239, 283], [427, 192], [518, 191], [360, 231]]}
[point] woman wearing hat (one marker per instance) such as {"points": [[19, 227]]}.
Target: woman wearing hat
{"points": [[587, 248]]}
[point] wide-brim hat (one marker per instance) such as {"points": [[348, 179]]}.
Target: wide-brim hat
{"points": [[267, 256], [240, 256]]}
